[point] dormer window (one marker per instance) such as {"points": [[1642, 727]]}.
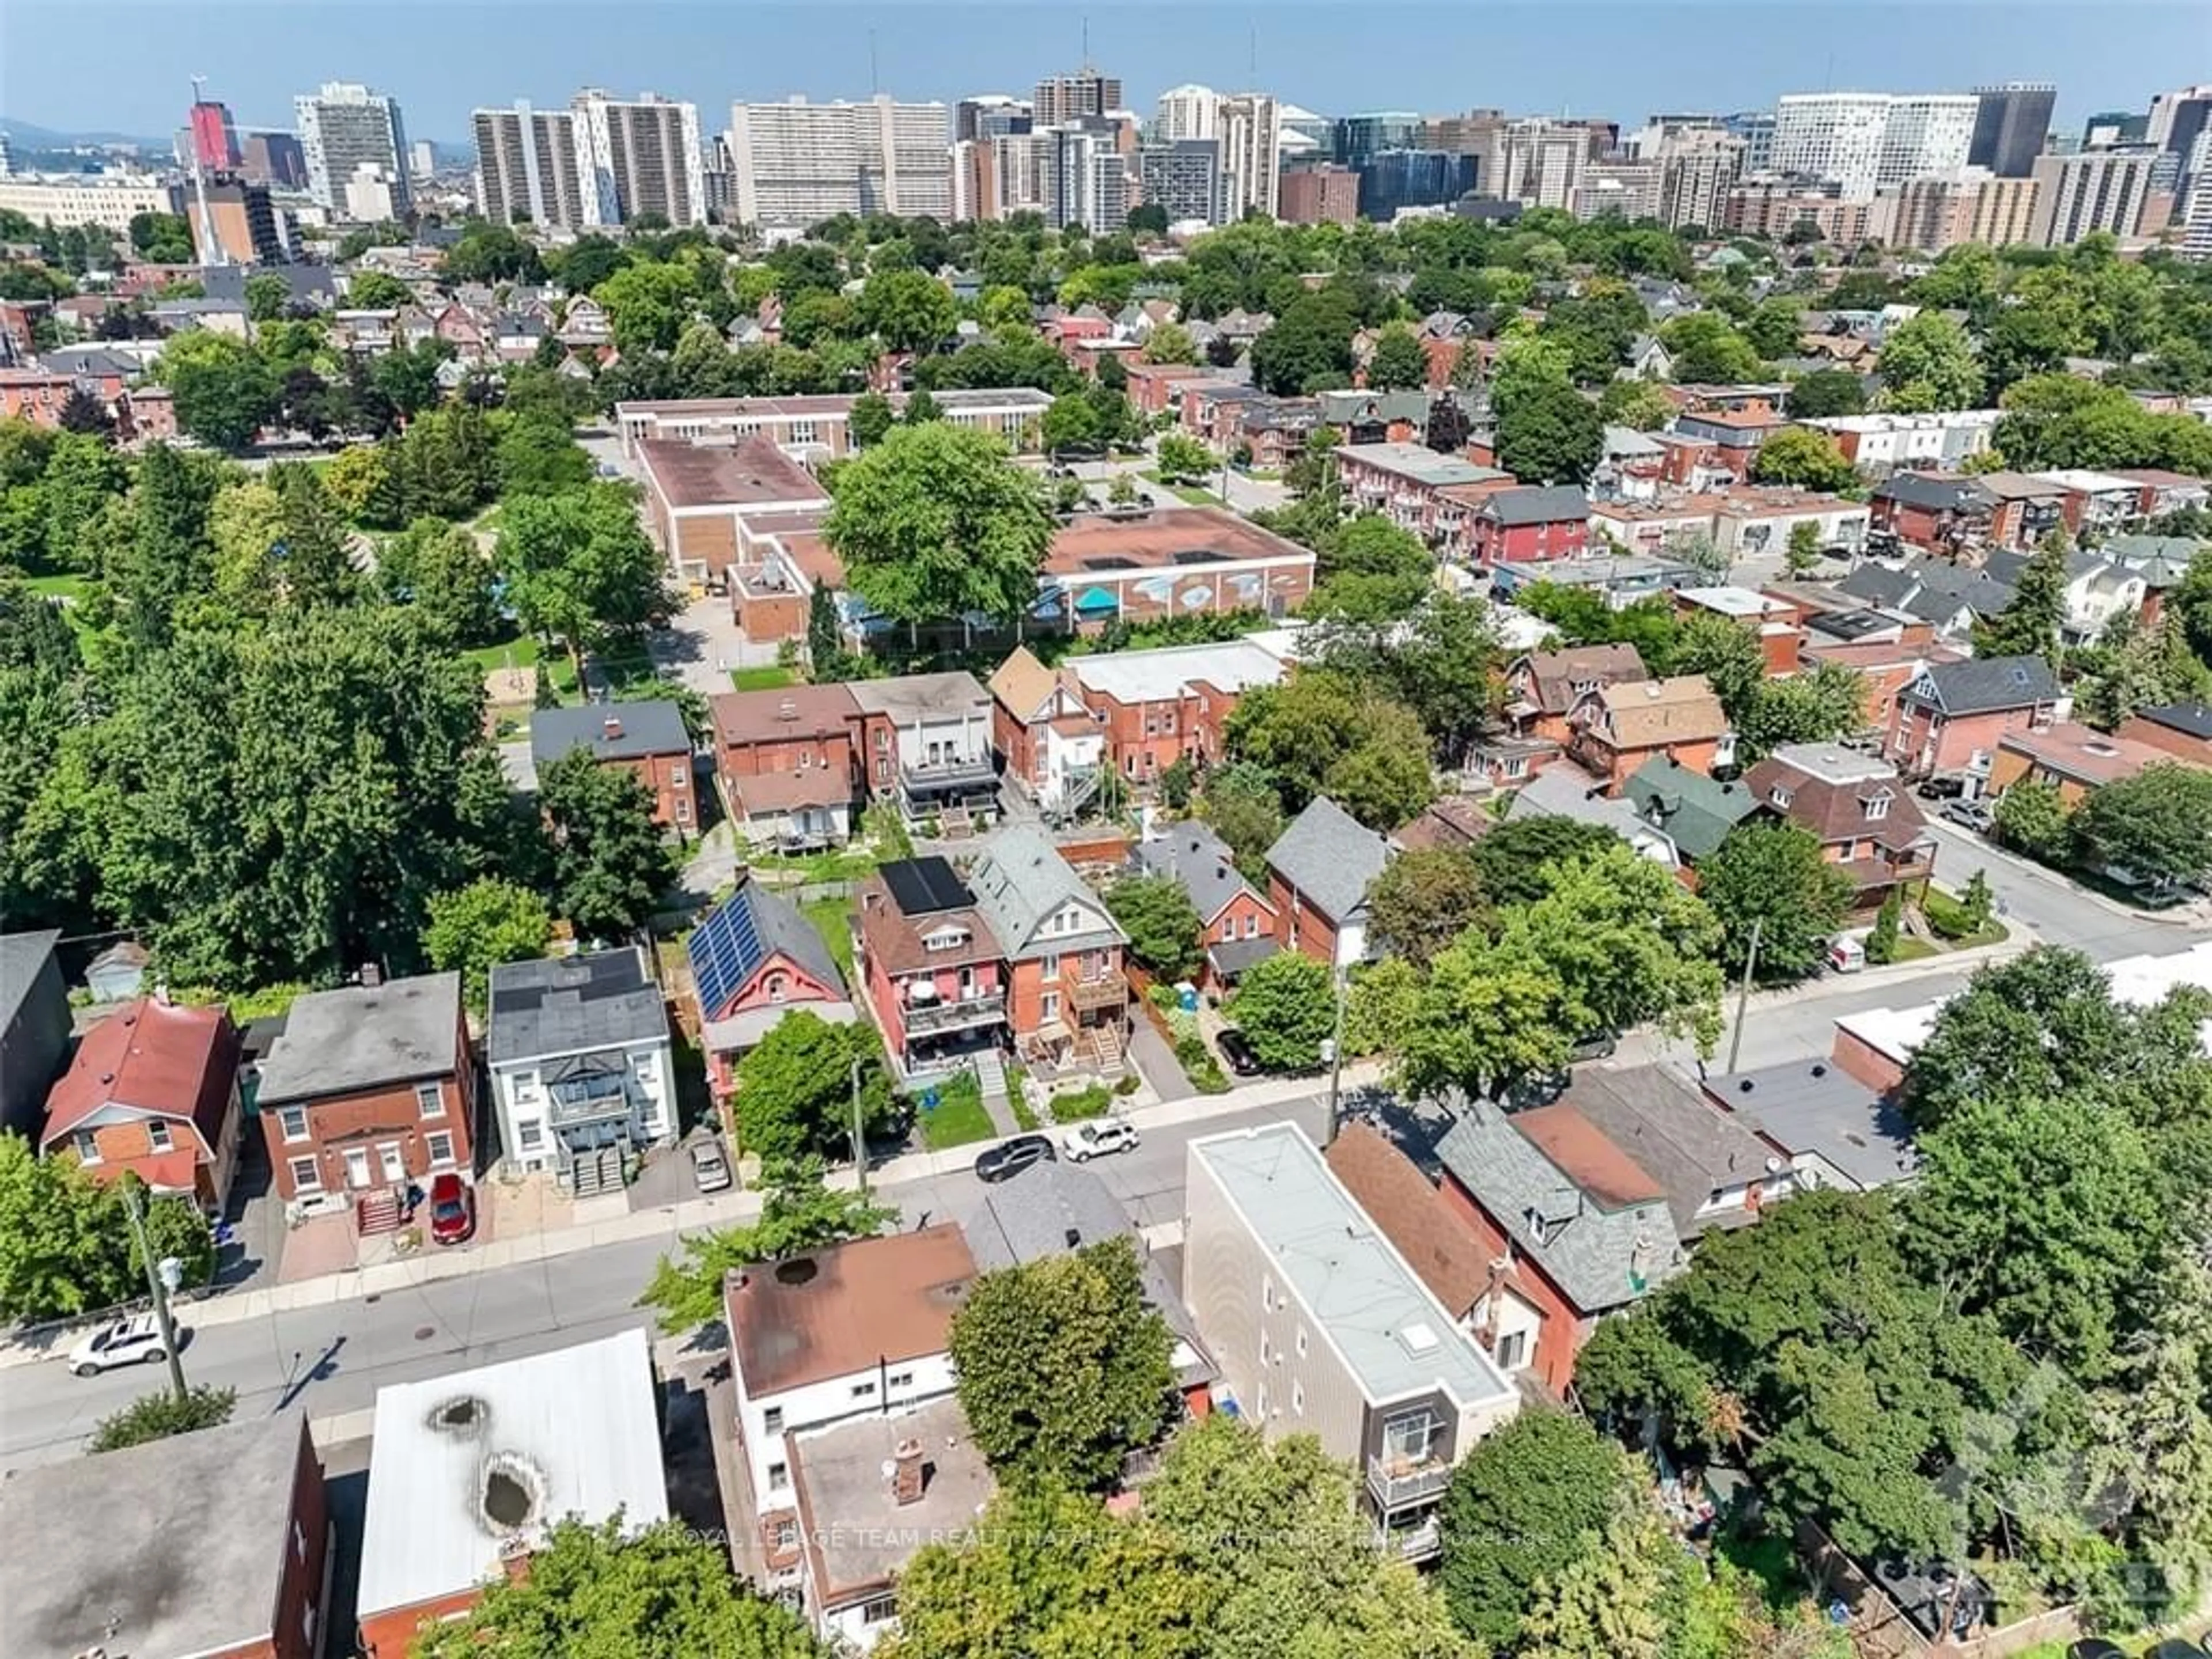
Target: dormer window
{"points": [[1778, 795], [1876, 806], [1535, 1223], [944, 939]]}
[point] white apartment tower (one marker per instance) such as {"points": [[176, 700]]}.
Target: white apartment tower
{"points": [[1865, 140], [526, 166], [2078, 195], [797, 163], [1249, 133], [1188, 111], [639, 155], [1536, 161], [344, 127]]}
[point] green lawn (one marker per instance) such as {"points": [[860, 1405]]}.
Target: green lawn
{"points": [[1188, 493], [520, 652], [837, 864], [1080, 1103], [832, 919], [67, 587], [771, 679], [959, 1118]]}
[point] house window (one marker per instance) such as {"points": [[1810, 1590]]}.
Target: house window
{"points": [[778, 987], [1266, 1348], [1227, 929], [1512, 1350], [771, 1420], [902, 1379], [1048, 969], [299, 1540], [1302, 1342], [1048, 1007], [682, 810], [779, 1476], [1268, 1295], [1298, 1398], [440, 1147], [291, 1121], [307, 1175], [864, 1390], [86, 1144], [1410, 1438], [158, 1136], [529, 1135], [429, 1100], [1877, 806], [1252, 926], [882, 1610]]}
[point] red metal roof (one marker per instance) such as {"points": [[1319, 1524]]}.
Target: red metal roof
{"points": [[151, 1056]]}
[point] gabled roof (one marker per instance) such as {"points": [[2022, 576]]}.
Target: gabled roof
{"points": [[1024, 684], [1554, 674], [1841, 806], [1416, 1218], [156, 1057], [1568, 1198], [1981, 685], [1536, 504], [1666, 1129], [1644, 714], [1330, 858], [1568, 791], [1200, 862], [1021, 881], [23, 957], [743, 932], [1696, 811], [2193, 719], [1933, 492], [795, 711], [846, 1308]]}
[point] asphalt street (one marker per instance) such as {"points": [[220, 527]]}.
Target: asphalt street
{"points": [[331, 1360]]}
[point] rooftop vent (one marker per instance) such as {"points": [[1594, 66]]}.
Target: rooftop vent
{"points": [[464, 1414], [512, 1490], [1417, 1338], [611, 727]]}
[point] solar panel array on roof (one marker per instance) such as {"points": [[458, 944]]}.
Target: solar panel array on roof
{"points": [[593, 979], [724, 949], [1197, 556], [925, 886]]}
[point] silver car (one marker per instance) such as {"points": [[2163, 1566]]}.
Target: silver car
{"points": [[710, 1168]]}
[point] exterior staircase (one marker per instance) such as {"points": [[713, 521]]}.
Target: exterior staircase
{"points": [[590, 1173], [376, 1212], [991, 1079], [1106, 1044]]}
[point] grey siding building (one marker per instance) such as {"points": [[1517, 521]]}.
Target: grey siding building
{"points": [[35, 1028]]}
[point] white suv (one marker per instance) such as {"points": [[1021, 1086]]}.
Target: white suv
{"points": [[1088, 1140], [133, 1341]]}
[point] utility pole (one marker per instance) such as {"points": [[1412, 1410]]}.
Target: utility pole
{"points": [[158, 1278], [859, 1138], [1335, 1052], [1743, 994]]}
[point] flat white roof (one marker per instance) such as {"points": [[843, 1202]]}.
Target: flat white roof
{"points": [[2081, 477], [1396, 1337], [463, 1465], [1906, 423], [1158, 676], [2137, 981], [1731, 600]]}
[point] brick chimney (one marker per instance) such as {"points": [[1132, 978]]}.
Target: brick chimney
{"points": [[611, 727], [906, 1472]]}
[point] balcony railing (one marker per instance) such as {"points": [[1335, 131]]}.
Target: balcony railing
{"points": [[1106, 991], [953, 1014], [1394, 1483], [948, 775], [1422, 1542]]}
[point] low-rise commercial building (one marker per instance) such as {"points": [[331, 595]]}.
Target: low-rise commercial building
{"points": [[819, 427]]}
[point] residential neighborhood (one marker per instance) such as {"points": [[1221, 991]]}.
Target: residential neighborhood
{"points": [[1106, 869]]}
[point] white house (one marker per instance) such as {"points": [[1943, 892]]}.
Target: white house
{"points": [[580, 1070], [926, 738]]}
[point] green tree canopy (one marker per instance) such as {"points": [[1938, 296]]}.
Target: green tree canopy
{"points": [[936, 521], [1424, 899], [908, 310], [1162, 924], [1063, 1367], [476, 927], [158, 1416], [795, 1089], [579, 566], [1774, 876], [1799, 455], [1549, 434], [1927, 362], [2156, 824], [611, 864], [1397, 363], [1286, 1006]]}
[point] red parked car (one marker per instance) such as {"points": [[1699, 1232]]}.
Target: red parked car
{"points": [[452, 1210]]}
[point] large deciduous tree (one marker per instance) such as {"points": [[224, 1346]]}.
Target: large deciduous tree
{"points": [[599, 1592], [1063, 1367], [1773, 876], [908, 310], [2157, 825], [795, 1089], [1286, 1006], [936, 521], [1799, 455], [1424, 900], [611, 863], [1162, 923], [579, 566], [476, 927], [1927, 362], [1549, 434], [1397, 363]]}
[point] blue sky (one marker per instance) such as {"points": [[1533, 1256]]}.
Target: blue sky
{"points": [[86, 65]]}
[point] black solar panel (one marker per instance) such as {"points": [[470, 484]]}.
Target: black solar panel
{"points": [[924, 886], [725, 950]]}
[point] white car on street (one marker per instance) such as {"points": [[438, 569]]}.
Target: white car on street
{"points": [[1088, 1140], [133, 1341]]}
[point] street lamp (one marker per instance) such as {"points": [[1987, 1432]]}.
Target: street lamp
{"points": [[163, 1279]]}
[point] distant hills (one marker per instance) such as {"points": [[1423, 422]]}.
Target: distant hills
{"points": [[30, 135]]}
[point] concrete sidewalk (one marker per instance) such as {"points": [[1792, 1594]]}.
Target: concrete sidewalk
{"points": [[667, 1223]]}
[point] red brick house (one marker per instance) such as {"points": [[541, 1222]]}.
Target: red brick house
{"points": [[370, 1090], [646, 739], [1319, 871], [754, 957], [154, 1090], [1736, 435], [786, 764], [2183, 730], [1577, 1227], [1237, 925], [1947, 722], [1161, 706], [1530, 522], [1867, 822], [1616, 728], [1542, 688], [1156, 388], [1932, 511], [929, 966], [1053, 748], [1067, 998]]}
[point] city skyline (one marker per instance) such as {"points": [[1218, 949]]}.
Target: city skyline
{"points": [[1654, 57]]}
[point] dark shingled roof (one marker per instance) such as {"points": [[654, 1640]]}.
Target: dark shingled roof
{"points": [[613, 731], [1938, 495], [573, 1004], [1981, 685], [1536, 504]]}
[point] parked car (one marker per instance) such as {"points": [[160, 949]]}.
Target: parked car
{"points": [[1238, 1054], [2095, 1647], [133, 1341], [1942, 789], [1088, 1140], [1011, 1158], [1974, 814], [452, 1209], [709, 1169]]}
